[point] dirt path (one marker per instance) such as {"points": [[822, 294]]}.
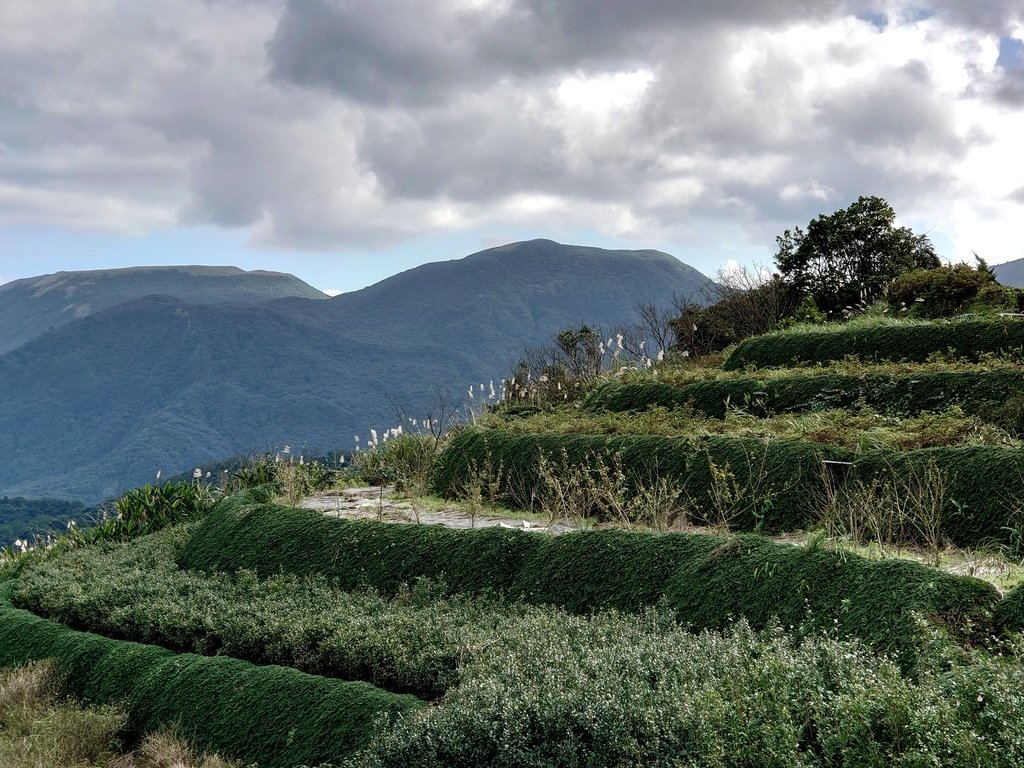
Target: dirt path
{"points": [[366, 504]]}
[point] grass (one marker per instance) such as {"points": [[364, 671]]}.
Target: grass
{"points": [[40, 728], [857, 431], [535, 685]]}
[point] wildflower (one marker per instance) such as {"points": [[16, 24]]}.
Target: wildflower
{"points": [[618, 340], [600, 347], [197, 473], [661, 355], [158, 474], [426, 424], [356, 437], [373, 436], [470, 393], [686, 353], [341, 458]]}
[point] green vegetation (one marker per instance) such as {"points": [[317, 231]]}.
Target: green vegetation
{"points": [[534, 685], [705, 580], [275, 715], [611, 690], [989, 394], [41, 728], [851, 255], [747, 483], [28, 519], [969, 339]]}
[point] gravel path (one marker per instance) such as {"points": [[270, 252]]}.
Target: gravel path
{"points": [[365, 504]]}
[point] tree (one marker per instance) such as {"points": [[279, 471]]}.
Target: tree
{"points": [[851, 255], [740, 303]]}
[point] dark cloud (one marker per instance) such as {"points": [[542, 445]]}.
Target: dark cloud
{"points": [[342, 123], [408, 51]]}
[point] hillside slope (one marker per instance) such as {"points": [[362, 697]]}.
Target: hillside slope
{"points": [[30, 307], [100, 404]]}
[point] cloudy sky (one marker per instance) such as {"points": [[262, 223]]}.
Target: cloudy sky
{"points": [[345, 140]]}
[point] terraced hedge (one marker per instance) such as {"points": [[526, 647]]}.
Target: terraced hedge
{"points": [[984, 500], [707, 580], [276, 715], [968, 339], [978, 392], [984, 488], [779, 478], [1010, 611]]}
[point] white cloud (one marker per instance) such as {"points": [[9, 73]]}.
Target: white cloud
{"points": [[331, 125]]}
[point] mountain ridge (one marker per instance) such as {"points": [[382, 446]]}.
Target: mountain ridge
{"points": [[101, 403], [31, 306]]}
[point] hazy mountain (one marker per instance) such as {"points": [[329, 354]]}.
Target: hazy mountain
{"points": [[1010, 272], [35, 305], [102, 403]]}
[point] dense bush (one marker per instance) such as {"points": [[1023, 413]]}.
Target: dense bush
{"points": [[982, 490], [746, 483], [968, 339], [993, 394], [411, 641], [706, 580], [1010, 611], [277, 716], [938, 292], [615, 691]]}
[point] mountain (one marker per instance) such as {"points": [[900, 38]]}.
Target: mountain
{"points": [[35, 305], [100, 404], [1010, 272]]}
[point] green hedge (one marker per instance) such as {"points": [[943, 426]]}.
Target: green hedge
{"points": [[968, 339], [779, 479], [275, 715], [1010, 611], [997, 395], [984, 489], [707, 580]]}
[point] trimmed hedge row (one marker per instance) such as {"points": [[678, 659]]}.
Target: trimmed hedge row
{"points": [[983, 485], [968, 339], [276, 715], [1010, 611], [984, 393], [984, 503], [707, 580], [780, 478]]}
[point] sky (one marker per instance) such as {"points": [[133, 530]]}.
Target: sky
{"points": [[347, 140]]}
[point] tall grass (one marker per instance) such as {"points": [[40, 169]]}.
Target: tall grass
{"points": [[40, 728]]}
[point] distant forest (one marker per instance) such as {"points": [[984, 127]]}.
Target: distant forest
{"points": [[25, 518]]}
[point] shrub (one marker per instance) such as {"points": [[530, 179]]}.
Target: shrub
{"points": [[610, 691], [967, 339], [403, 461], [772, 481], [938, 292], [983, 496], [706, 580], [1010, 611], [274, 715], [990, 394]]}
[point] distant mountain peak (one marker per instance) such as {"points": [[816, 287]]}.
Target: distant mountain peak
{"points": [[31, 306]]}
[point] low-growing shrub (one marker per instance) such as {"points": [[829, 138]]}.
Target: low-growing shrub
{"points": [[983, 489], [967, 339], [603, 691], [277, 716], [984, 393], [704, 579], [403, 461], [1010, 611], [748, 483]]}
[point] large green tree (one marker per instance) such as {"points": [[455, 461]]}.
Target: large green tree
{"points": [[851, 255]]}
